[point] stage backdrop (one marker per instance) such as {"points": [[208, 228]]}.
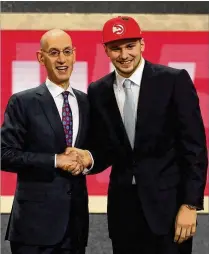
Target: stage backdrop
{"points": [[20, 70]]}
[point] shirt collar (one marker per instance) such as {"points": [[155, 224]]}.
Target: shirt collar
{"points": [[56, 90], [135, 77]]}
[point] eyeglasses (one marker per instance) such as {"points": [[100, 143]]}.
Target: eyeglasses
{"points": [[56, 52]]}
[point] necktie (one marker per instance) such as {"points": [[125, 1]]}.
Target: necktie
{"points": [[67, 119], [128, 112]]}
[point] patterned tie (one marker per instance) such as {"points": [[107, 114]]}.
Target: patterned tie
{"points": [[67, 119], [128, 112]]}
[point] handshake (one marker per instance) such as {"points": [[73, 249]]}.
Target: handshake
{"points": [[74, 160]]}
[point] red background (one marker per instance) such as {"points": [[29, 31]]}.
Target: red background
{"points": [[161, 47]]}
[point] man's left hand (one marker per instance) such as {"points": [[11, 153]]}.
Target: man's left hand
{"points": [[83, 155], [185, 226]]}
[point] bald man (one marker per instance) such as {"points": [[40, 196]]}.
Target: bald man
{"points": [[50, 208]]}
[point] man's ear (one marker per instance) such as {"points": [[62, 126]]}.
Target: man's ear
{"points": [[106, 49], [74, 55], [40, 57], [142, 42]]}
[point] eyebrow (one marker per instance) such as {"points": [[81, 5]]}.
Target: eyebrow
{"points": [[68, 47], [128, 44]]}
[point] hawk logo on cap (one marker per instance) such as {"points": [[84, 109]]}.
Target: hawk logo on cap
{"points": [[118, 29]]}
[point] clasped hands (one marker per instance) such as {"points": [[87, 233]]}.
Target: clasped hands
{"points": [[73, 160]]}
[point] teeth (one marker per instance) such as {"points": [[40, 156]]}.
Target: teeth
{"points": [[62, 68], [125, 62]]}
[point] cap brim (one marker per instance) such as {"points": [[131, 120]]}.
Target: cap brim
{"points": [[122, 39]]}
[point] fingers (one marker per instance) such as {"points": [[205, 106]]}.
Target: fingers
{"points": [[69, 150], [72, 161], [193, 230], [188, 233], [82, 154], [73, 156], [77, 167], [77, 170], [185, 224], [184, 233], [73, 168], [177, 233], [182, 236], [69, 166]]}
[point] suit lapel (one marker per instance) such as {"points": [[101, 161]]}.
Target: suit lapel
{"points": [[50, 110], [144, 101], [82, 110], [113, 112]]}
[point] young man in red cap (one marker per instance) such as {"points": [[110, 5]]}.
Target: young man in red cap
{"points": [[147, 124]]}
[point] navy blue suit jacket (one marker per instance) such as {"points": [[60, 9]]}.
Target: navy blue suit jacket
{"points": [[169, 159], [32, 133]]}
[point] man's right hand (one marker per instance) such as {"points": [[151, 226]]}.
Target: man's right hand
{"points": [[70, 162], [84, 155]]}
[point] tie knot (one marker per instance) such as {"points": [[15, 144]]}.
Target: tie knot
{"points": [[65, 94], [127, 83]]}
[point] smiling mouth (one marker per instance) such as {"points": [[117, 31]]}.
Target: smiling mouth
{"points": [[62, 69], [125, 62]]}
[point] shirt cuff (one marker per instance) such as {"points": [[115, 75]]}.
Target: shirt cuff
{"points": [[87, 170], [192, 207]]}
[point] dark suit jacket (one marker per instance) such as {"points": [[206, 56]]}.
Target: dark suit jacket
{"points": [[169, 159], [31, 135]]}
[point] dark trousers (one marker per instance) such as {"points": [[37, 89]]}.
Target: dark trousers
{"points": [[18, 248], [163, 246], [136, 236]]}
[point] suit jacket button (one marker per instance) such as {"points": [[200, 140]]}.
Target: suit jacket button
{"points": [[69, 192]]}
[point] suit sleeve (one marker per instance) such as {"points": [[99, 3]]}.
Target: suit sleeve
{"points": [[191, 141], [14, 157], [98, 143]]}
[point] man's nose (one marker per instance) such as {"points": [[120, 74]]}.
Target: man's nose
{"points": [[61, 58], [124, 54]]}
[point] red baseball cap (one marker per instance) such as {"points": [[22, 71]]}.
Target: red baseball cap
{"points": [[119, 28]]}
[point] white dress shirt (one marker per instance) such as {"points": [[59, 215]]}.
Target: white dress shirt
{"points": [[56, 92], [120, 93]]}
